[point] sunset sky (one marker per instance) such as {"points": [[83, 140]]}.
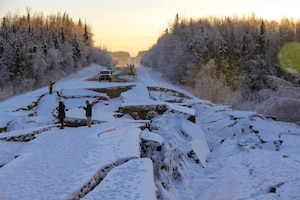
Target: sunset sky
{"points": [[135, 25]]}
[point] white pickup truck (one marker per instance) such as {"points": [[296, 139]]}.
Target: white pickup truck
{"points": [[104, 75]]}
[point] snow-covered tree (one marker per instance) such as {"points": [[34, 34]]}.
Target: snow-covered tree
{"points": [[244, 47], [36, 48]]}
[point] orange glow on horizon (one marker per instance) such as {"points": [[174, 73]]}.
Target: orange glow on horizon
{"points": [[131, 45], [134, 26]]}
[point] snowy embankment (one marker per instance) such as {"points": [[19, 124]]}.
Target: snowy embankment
{"points": [[69, 163], [149, 140]]}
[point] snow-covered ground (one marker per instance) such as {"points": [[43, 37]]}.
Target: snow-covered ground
{"points": [[152, 141]]}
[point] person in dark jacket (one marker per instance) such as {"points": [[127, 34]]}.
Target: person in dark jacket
{"points": [[61, 113], [88, 113], [50, 85]]}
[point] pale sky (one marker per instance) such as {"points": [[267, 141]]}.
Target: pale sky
{"points": [[135, 25]]}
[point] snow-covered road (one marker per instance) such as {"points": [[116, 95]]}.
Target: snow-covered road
{"points": [[150, 140]]}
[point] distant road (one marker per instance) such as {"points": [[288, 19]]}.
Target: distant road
{"points": [[120, 74]]}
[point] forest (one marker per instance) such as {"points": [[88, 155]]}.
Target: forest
{"points": [[231, 60], [35, 49]]}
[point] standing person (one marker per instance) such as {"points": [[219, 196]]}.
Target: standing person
{"points": [[61, 113], [50, 85], [88, 113]]}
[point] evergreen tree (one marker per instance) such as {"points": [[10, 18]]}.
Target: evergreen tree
{"points": [[76, 50], [86, 35], [55, 41], [45, 46], [62, 35], [262, 45], [1, 48]]}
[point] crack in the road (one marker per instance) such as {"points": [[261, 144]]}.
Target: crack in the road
{"points": [[96, 179]]}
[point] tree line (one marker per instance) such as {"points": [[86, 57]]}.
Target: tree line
{"points": [[35, 48], [224, 59]]}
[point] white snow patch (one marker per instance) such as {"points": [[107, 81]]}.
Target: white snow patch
{"points": [[198, 145], [151, 136], [131, 180]]}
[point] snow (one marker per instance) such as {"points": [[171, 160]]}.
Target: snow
{"points": [[242, 155], [151, 136], [132, 180], [74, 155], [139, 95], [198, 145]]}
